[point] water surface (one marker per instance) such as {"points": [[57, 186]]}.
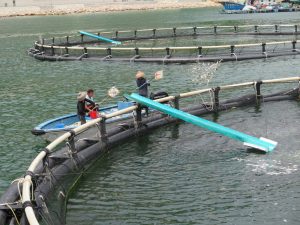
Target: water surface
{"points": [[178, 174]]}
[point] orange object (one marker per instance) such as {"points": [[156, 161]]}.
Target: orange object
{"points": [[94, 114]]}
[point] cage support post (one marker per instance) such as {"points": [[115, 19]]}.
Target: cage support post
{"points": [[108, 50], [257, 88], [137, 51], [52, 50], [199, 51], [71, 142], [195, 30], [263, 47], [176, 101], [168, 52], [232, 49], [216, 102], [294, 45], [174, 31], [102, 130], [154, 33], [138, 118], [85, 52], [67, 50]]}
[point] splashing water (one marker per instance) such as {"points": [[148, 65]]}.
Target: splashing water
{"points": [[204, 72], [113, 92], [270, 167]]}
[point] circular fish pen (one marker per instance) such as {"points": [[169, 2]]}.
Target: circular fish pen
{"points": [[134, 49], [54, 172]]}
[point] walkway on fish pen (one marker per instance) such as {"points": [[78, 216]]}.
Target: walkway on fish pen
{"points": [[53, 173], [83, 47]]}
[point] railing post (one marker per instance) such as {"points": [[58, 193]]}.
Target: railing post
{"points": [[296, 28], [53, 40], [216, 102], [276, 28], [255, 28], [263, 47], [52, 50], [137, 52], [117, 34], [235, 29], [294, 45], [135, 34], [168, 51], [200, 51], [108, 50], [174, 31], [43, 41], [67, 37], [138, 118], [195, 30], [85, 52], [232, 49], [102, 130], [67, 50], [154, 32], [176, 101], [81, 36], [257, 88], [215, 29], [71, 142]]}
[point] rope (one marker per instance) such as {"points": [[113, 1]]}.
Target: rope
{"points": [[13, 212], [236, 58], [20, 181]]}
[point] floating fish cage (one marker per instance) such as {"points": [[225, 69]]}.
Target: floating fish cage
{"points": [[41, 195], [83, 47]]}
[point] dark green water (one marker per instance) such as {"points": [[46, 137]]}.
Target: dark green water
{"points": [[178, 174]]}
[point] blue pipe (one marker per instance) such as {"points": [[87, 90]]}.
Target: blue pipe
{"points": [[100, 37], [261, 144]]}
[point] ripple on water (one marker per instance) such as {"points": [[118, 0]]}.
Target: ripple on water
{"points": [[178, 174], [183, 175]]}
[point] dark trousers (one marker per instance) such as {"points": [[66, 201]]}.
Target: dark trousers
{"points": [[82, 119], [145, 107]]}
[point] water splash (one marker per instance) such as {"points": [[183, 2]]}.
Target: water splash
{"points": [[203, 73], [269, 167]]}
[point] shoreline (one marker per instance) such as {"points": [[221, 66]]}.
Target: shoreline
{"points": [[81, 9]]}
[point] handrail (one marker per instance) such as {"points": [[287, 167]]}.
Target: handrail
{"points": [[164, 48], [213, 27], [27, 183]]}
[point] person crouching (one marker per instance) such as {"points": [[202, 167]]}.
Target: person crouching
{"points": [[82, 107]]}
